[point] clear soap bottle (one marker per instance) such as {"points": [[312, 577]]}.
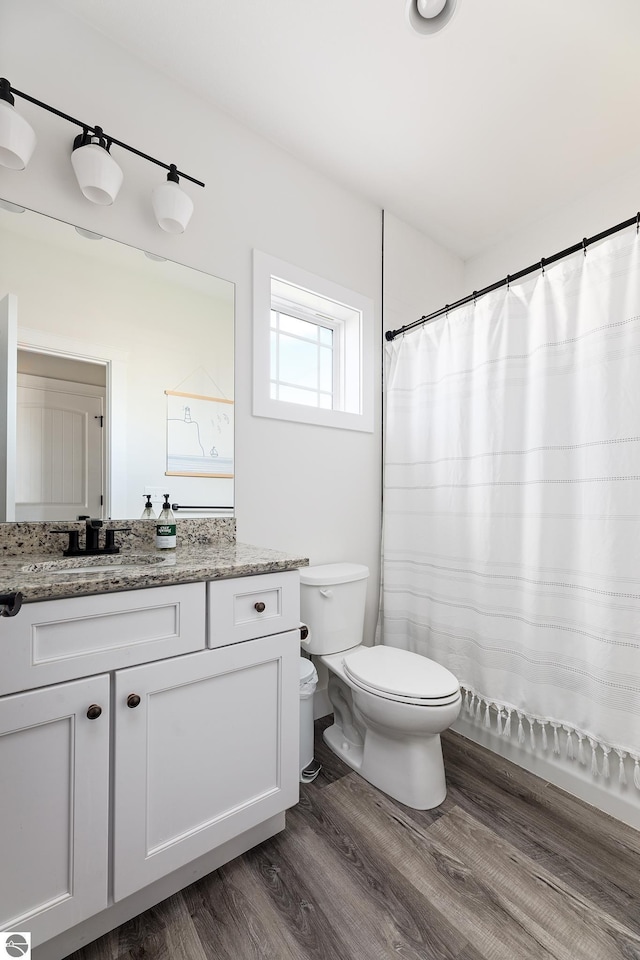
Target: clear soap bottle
{"points": [[166, 527], [147, 513]]}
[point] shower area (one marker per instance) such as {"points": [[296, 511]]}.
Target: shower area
{"points": [[511, 516]]}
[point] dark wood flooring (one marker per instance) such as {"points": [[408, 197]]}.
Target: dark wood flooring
{"points": [[508, 868]]}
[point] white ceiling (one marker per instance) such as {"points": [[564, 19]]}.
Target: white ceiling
{"points": [[516, 107]]}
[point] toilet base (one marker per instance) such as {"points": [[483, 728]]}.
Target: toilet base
{"points": [[351, 753], [411, 770]]}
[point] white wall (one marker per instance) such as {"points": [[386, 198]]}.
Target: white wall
{"points": [[419, 275], [607, 204], [314, 491], [60, 368]]}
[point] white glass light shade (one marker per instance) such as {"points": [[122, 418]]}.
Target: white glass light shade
{"points": [[172, 207], [11, 207], [88, 234], [17, 138], [98, 175]]}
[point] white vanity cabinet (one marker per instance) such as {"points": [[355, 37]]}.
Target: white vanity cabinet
{"points": [[184, 739], [210, 750], [54, 812]]}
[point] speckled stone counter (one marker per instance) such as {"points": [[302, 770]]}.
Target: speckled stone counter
{"points": [[206, 551]]}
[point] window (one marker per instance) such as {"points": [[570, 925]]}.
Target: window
{"points": [[312, 348]]}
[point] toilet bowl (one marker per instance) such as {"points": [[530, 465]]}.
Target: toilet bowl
{"points": [[390, 706]]}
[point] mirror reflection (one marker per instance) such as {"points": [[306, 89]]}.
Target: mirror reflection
{"points": [[120, 380]]}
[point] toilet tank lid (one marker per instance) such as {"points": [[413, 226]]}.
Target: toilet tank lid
{"points": [[329, 573]]}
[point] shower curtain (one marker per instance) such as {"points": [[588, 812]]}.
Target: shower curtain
{"points": [[512, 505]]}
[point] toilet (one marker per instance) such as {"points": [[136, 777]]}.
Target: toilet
{"points": [[390, 706]]}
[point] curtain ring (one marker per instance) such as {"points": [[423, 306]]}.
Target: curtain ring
{"points": [[542, 265], [508, 282], [475, 293], [637, 223]]}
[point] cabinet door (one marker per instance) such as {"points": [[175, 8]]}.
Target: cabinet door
{"points": [[210, 751], [54, 794]]}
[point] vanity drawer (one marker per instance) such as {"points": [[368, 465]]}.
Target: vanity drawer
{"points": [[249, 607], [57, 640]]}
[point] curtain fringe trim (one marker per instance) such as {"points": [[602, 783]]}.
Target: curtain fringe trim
{"points": [[473, 704]]}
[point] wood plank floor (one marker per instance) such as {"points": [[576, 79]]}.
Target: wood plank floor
{"points": [[508, 868]]}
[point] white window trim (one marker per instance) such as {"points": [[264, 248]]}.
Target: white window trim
{"points": [[287, 309], [264, 268]]}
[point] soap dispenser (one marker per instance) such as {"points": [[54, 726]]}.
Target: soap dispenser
{"points": [[147, 513], [166, 527]]}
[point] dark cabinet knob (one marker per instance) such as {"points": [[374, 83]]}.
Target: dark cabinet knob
{"points": [[94, 711], [133, 700], [260, 607]]}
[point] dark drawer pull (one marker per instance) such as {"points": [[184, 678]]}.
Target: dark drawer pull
{"points": [[94, 711], [260, 606], [133, 700], [10, 603]]}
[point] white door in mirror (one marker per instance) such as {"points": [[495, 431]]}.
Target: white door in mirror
{"points": [[59, 449]]}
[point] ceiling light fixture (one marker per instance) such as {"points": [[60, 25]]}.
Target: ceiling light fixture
{"points": [[427, 17], [98, 175]]}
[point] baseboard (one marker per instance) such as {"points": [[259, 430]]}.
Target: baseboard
{"points": [[617, 800]]}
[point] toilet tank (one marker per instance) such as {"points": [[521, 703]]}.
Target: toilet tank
{"points": [[332, 603]]}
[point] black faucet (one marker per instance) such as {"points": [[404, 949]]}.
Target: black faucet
{"points": [[92, 536], [92, 546]]}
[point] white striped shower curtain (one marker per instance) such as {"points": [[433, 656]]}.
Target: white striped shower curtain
{"points": [[512, 505]]}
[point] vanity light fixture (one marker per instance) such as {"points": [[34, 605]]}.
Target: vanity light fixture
{"points": [[17, 137], [88, 234], [426, 17], [98, 175], [171, 205], [11, 207]]}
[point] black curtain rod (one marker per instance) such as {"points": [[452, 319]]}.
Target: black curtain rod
{"points": [[87, 127], [511, 277]]}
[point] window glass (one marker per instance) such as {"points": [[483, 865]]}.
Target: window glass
{"points": [[293, 395], [315, 351], [299, 328], [298, 362], [326, 369]]}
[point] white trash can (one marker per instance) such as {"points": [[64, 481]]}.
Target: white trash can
{"points": [[309, 769]]}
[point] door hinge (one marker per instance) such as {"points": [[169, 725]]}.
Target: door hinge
{"points": [[101, 500]]}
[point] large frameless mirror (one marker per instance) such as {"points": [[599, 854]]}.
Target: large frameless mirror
{"points": [[116, 376]]}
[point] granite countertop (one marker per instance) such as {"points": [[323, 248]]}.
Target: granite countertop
{"points": [[137, 569]]}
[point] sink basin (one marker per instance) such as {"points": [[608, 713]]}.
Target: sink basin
{"points": [[111, 563]]}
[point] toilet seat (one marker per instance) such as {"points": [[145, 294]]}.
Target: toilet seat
{"points": [[402, 676]]}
